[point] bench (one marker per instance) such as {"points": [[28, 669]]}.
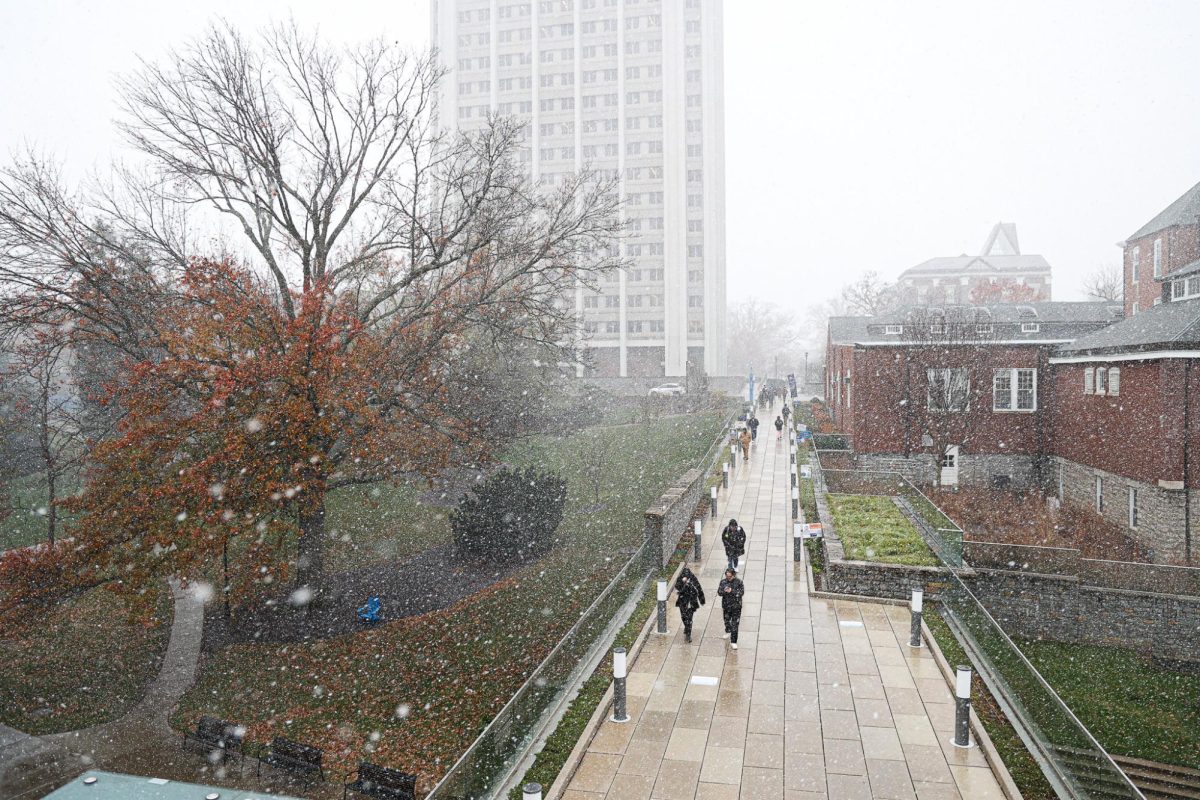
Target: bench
{"points": [[390, 784], [297, 759], [216, 736]]}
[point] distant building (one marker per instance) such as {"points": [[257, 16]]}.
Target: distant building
{"points": [[999, 274], [1162, 258], [636, 92]]}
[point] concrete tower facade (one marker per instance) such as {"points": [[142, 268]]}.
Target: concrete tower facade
{"points": [[635, 89]]}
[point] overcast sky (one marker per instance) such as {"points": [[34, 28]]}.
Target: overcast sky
{"points": [[860, 135]]}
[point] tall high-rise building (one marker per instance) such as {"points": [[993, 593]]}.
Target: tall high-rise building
{"points": [[633, 88]]}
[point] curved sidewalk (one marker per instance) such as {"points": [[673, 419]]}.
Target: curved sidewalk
{"points": [[29, 764], [823, 700]]}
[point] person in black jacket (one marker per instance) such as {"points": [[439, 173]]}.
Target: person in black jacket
{"points": [[731, 590], [779, 427], [689, 596], [733, 538], [753, 423]]}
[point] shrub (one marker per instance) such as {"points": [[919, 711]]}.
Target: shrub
{"points": [[512, 516]]}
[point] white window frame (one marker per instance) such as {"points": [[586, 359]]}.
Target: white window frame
{"points": [[1030, 327], [1089, 380], [1114, 381], [1137, 263], [1101, 381], [1133, 507], [983, 328], [1012, 376], [893, 330], [1158, 258], [1099, 494]]}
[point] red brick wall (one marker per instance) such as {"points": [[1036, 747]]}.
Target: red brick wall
{"points": [[1138, 434], [1180, 246], [839, 360], [885, 376]]}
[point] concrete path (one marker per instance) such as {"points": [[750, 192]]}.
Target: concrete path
{"points": [[823, 700], [29, 764]]}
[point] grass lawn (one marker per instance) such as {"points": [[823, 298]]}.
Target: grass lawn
{"points": [[26, 524], [873, 529], [415, 692], [384, 522], [86, 663], [1021, 766], [1131, 705]]}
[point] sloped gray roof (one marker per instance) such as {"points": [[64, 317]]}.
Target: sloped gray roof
{"points": [[1056, 321], [1184, 211], [1167, 326], [1186, 269], [982, 264], [847, 330], [1002, 241]]}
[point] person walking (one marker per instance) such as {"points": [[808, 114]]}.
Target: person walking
{"points": [[753, 423], [787, 412], [745, 439], [779, 427], [731, 590], [689, 595], [733, 539]]}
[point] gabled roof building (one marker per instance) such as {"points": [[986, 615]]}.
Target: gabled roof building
{"points": [[955, 279]]}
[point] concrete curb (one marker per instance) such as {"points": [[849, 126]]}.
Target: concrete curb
{"points": [[981, 736], [567, 772]]}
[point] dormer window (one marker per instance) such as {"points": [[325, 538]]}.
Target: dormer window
{"points": [[937, 328], [1030, 327], [893, 330], [983, 328]]}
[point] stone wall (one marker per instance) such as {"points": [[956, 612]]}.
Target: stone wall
{"points": [[1160, 512], [1060, 608], [879, 580], [668, 519]]}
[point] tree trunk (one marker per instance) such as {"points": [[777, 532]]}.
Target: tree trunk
{"points": [[310, 563], [51, 510]]}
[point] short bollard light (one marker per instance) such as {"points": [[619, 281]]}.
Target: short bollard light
{"points": [[792, 455], [793, 473], [725, 475], [795, 502], [712, 496], [733, 453], [962, 707], [697, 527], [662, 607], [918, 600], [797, 541], [619, 712], [531, 791]]}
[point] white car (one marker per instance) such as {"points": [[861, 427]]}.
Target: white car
{"points": [[667, 390]]}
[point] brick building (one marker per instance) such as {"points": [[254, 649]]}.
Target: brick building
{"points": [[1125, 440], [1162, 258], [966, 385], [1000, 269]]}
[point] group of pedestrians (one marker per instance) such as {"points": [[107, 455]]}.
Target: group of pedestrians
{"points": [[689, 594]]}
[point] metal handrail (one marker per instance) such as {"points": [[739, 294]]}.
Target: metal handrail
{"points": [[531, 681]]}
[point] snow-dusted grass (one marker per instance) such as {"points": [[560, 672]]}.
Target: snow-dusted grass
{"points": [[873, 529], [26, 524], [1133, 706], [450, 671], [83, 663]]}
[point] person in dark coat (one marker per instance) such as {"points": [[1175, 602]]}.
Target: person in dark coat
{"points": [[787, 412], [753, 423], [689, 595], [733, 538], [779, 427], [731, 590]]}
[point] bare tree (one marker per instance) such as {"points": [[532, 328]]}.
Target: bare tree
{"points": [[594, 451], [328, 164], [942, 379], [759, 333], [869, 295], [1105, 283], [51, 410]]}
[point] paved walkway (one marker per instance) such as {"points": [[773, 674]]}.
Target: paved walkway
{"points": [[823, 700], [31, 764]]}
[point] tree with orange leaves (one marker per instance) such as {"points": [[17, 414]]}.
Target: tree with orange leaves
{"points": [[386, 255]]}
